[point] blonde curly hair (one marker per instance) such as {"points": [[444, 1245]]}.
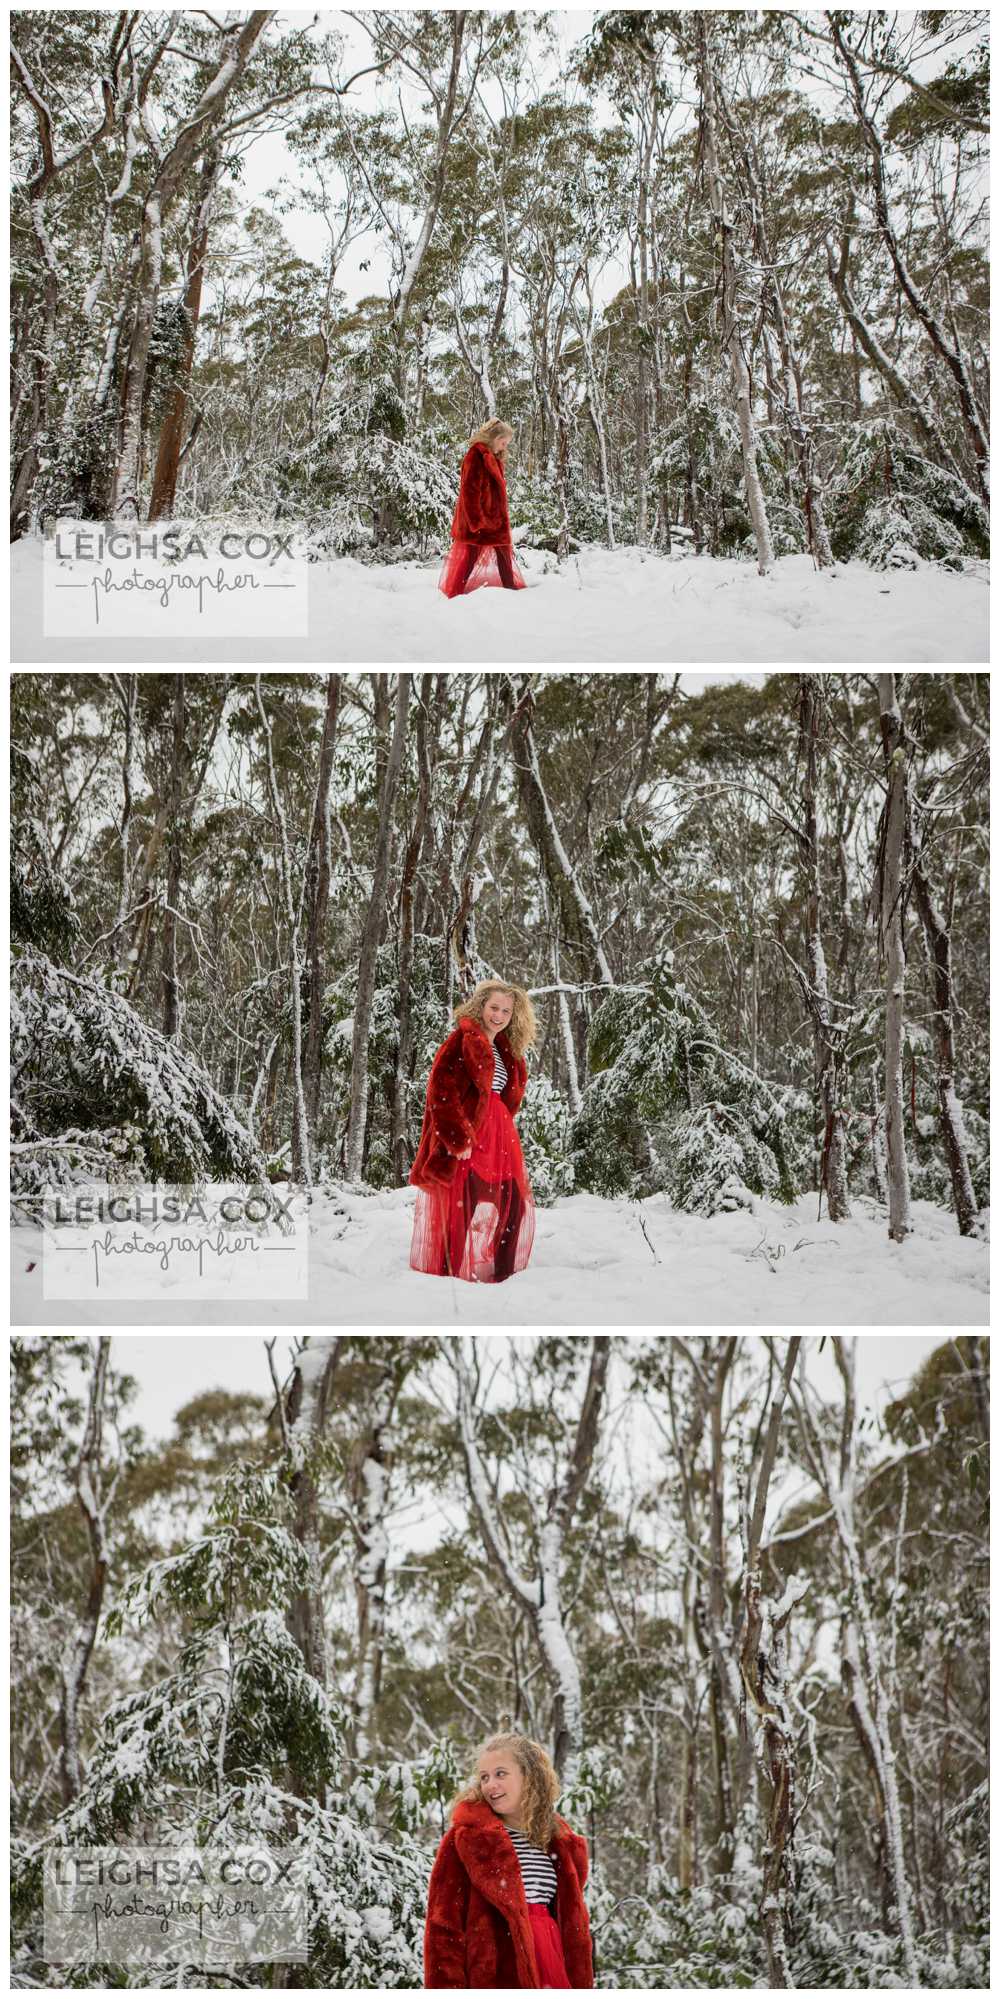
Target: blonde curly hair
{"points": [[541, 1785], [490, 433], [521, 1029]]}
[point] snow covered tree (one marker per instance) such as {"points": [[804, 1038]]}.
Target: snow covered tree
{"points": [[657, 866], [537, 1587], [288, 1553], [862, 1666], [890, 903], [99, 1094], [716, 1128], [236, 1740]]}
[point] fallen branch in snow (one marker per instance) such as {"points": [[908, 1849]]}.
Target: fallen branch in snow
{"points": [[642, 1224]]}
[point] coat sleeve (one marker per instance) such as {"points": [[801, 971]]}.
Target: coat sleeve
{"points": [[444, 1097], [481, 496], [447, 1910]]}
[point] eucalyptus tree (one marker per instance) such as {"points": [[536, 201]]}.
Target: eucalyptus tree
{"points": [[945, 341], [445, 54], [559, 1481], [626, 54]]}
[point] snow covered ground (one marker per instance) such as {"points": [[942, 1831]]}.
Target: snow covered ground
{"points": [[598, 1263], [602, 606]]}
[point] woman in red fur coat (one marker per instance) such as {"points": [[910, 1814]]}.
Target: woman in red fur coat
{"points": [[475, 1217], [481, 547], [505, 1907]]}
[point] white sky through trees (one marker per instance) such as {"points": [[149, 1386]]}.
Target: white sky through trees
{"points": [[269, 165], [170, 1369]]}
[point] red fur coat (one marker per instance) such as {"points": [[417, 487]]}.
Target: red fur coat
{"points": [[481, 514], [478, 1929], [458, 1095]]}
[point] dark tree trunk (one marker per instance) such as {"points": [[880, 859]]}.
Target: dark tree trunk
{"points": [[399, 1143], [317, 896], [168, 455], [370, 938]]}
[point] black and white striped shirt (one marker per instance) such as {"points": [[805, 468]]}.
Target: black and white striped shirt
{"points": [[538, 1869], [499, 1071]]}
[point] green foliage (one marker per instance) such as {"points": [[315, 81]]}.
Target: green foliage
{"points": [[716, 1129], [100, 1091], [545, 1126], [364, 482], [428, 1029], [247, 1552], [599, 1782], [205, 1751], [422, 1787], [892, 507]]}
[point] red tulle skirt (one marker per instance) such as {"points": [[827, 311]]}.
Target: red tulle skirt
{"points": [[482, 1225], [552, 1972], [468, 566]]}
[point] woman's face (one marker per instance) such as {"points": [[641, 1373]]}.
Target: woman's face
{"points": [[497, 1012], [501, 1783], [501, 445]]}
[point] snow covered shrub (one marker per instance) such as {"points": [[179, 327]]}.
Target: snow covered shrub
{"points": [[891, 506], [930, 1176], [423, 1786], [96, 1090], [597, 1785], [76, 468], [968, 1827], [668, 1107], [661, 1937], [899, 533], [702, 445], [545, 1127], [228, 1737], [534, 507], [363, 483], [409, 493], [717, 1159], [588, 514]]}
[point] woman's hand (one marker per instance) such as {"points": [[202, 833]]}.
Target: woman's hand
{"points": [[467, 1154]]}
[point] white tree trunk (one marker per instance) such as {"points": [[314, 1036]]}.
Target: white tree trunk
{"points": [[862, 1669], [578, 917], [370, 938], [93, 1499], [732, 337], [540, 1593], [303, 1418], [372, 1490], [301, 1162], [892, 943], [188, 138]]}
